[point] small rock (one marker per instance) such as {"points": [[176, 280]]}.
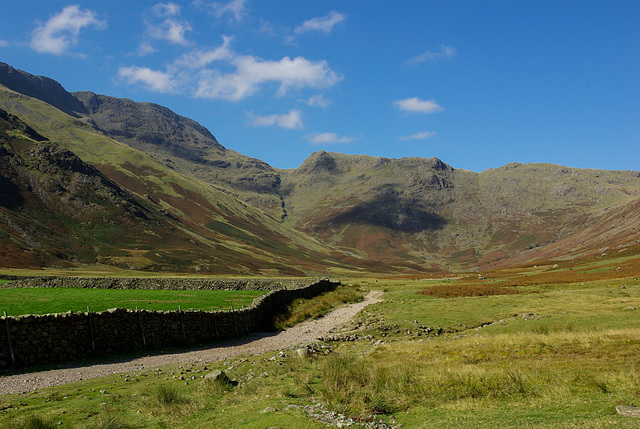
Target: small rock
{"points": [[268, 410], [628, 411], [629, 308], [218, 375], [303, 352]]}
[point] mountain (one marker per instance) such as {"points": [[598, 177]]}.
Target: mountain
{"points": [[186, 147], [88, 178], [187, 225], [427, 212]]}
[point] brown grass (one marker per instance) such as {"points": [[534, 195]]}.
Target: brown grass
{"points": [[456, 291]]}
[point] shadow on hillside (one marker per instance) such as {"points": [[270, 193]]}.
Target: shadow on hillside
{"points": [[390, 211], [10, 196]]}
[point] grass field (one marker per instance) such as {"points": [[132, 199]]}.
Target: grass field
{"points": [[558, 354], [59, 300]]}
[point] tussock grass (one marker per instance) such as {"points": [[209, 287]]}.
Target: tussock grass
{"points": [[168, 396], [108, 422], [34, 422], [527, 367], [216, 387]]}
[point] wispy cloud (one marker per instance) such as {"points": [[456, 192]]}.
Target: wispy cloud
{"points": [[317, 101], [322, 24], [289, 121], [62, 31], [3, 43], [417, 105], [445, 52], [200, 58], [418, 136], [328, 138], [237, 9], [163, 23], [151, 79], [145, 48], [166, 9]]}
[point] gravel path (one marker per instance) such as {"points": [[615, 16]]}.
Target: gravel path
{"points": [[256, 343]]}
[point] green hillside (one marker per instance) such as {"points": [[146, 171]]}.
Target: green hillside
{"points": [[159, 192]]}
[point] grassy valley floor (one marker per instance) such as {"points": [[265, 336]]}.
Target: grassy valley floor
{"points": [[557, 350]]}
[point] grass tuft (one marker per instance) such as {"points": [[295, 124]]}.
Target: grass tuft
{"points": [[217, 386], [109, 422], [168, 396], [34, 422]]}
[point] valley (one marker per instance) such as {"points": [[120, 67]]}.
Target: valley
{"points": [[503, 298]]}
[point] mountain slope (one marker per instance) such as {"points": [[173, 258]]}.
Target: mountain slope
{"points": [[211, 231], [186, 147], [53, 206], [422, 211], [101, 179]]}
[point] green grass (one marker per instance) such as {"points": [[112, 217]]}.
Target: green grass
{"points": [[305, 309], [19, 301], [567, 363]]}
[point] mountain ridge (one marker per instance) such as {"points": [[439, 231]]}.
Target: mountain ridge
{"points": [[343, 212]]}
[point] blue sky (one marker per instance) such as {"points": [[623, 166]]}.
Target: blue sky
{"points": [[476, 83]]}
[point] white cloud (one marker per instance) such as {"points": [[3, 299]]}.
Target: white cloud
{"points": [[166, 9], [328, 138], [418, 136], [61, 31], [236, 8], [152, 79], [201, 58], [169, 27], [3, 43], [243, 75], [446, 52], [322, 24], [251, 72], [416, 105], [289, 121], [145, 49], [318, 100]]}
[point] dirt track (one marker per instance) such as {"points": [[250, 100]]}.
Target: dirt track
{"points": [[256, 343]]}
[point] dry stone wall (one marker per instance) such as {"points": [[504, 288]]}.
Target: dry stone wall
{"points": [[166, 283], [54, 338]]}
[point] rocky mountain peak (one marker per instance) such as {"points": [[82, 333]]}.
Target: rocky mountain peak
{"points": [[40, 87]]}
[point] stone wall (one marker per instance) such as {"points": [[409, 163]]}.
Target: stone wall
{"points": [[155, 283], [54, 338]]}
